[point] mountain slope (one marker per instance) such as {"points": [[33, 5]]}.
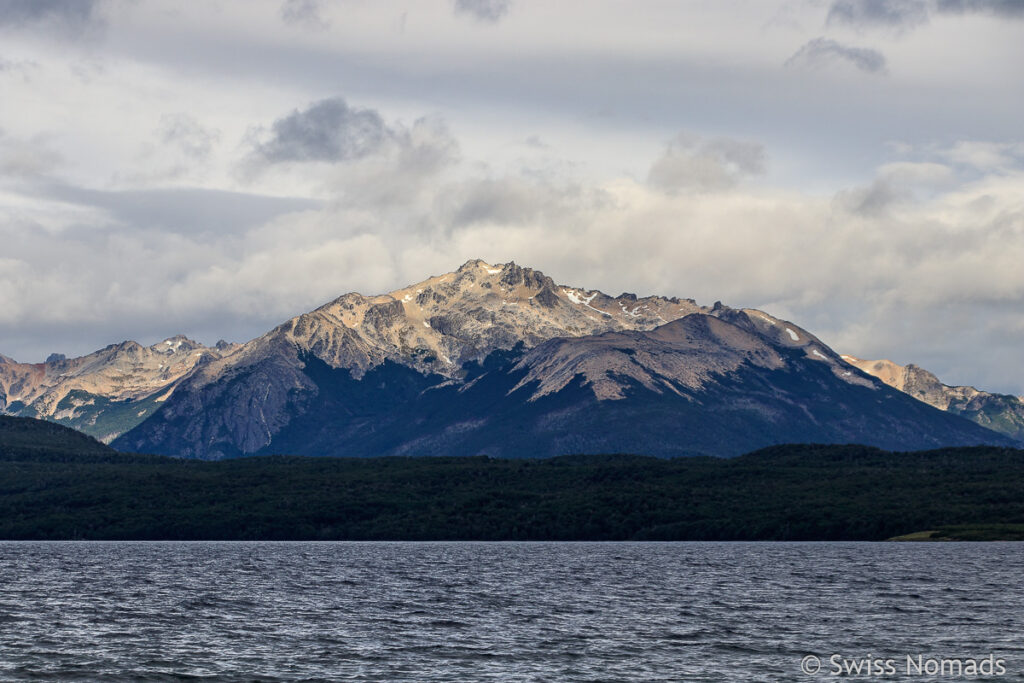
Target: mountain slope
{"points": [[104, 393], [503, 361], [237, 404], [23, 437], [654, 392], [1002, 413]]}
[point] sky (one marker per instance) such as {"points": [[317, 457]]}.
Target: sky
{"points": [[215, 168]]}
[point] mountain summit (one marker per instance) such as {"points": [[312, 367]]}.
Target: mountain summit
{"points": [[440, 323], [488, 359], [106, 392]]}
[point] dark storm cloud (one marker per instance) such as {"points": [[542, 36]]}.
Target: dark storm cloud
{"points": [[491, 11], [822, 51], [73, 16], [329, 130]]}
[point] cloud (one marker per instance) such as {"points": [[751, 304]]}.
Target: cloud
{"points": [[180, 210], [328, 130], [690, 163], [1007, 9], [896, 185], [26, 159], [899, 263], [897, 14], [985, 155], [904, 15], [19, 67], [71, 17], [917, 263], [402, 176], [304, 14], [823, 51], [187, 135], [488, 11], [364, 161]]}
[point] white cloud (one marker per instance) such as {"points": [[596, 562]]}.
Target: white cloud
{"points": [[940, 250], [690, 163], [123, 214]]}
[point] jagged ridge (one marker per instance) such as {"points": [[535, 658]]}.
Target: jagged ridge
{"points": [[106, 392], [500, 359], [1003, 413], [409, 371]]}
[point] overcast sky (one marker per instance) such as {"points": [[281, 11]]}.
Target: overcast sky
{"points": [[214, 168]]}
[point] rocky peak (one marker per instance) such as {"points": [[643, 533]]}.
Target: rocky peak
{"points": [[439, 323], [999, 412], [62, 388]]}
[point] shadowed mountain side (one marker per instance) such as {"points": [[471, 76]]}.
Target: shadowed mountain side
{"points": [[701, 385], [23, 437]]}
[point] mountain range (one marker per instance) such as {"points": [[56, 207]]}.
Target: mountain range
{"points": [[498, 360], [1003, 413]]}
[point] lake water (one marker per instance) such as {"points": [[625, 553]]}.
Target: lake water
{"points": [[506, 611]]}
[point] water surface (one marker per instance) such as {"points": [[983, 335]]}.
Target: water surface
{"points": [[500, 611]]}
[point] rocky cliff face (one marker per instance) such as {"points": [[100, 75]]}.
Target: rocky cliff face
{"points": [[718, 383], [440, 323], [496, 359], [501, 359], [999, 412], [104, 393], [237, 404]]}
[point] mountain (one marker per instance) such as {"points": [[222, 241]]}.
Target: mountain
{"points": [[104, 393], [502, 360], [1002, 413]]}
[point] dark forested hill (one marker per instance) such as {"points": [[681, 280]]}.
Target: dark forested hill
{"points": [[801, 492], [26, 438]]}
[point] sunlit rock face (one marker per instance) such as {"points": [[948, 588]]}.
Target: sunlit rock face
{"points": [[107, 392], [496, 359], [1000, 412]]}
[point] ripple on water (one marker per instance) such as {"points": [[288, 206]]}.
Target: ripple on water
{"points": [[509, 611]]}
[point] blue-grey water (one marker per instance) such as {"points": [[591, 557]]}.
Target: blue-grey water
{"points": [[505, 612]]}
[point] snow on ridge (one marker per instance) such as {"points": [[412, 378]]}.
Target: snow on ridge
{"points": [[793, 335], [574, 297]]}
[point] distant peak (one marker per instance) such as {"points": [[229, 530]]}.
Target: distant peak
{"points": [[476, 265], [471, 264], [127, 345]]}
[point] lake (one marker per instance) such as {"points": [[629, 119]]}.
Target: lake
{"points": [[510, 611]]}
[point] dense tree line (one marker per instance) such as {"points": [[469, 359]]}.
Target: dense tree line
{"points": [[62, 485]]}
